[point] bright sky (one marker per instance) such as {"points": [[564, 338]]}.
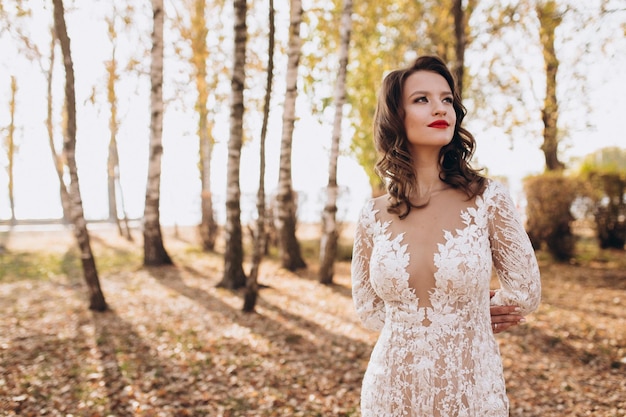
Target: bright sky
{"points": [[36, 191]]}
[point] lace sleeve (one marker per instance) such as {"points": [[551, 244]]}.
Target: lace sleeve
{"points": [[369, 306], [513, 256]]}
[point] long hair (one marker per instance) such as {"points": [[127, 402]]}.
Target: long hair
{"points": [[395, 163]]}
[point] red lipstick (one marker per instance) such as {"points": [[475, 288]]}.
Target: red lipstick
{"points": [[439, 124]]}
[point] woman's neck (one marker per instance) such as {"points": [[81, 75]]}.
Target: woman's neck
{"points": [[428, 185], [428, 178]]}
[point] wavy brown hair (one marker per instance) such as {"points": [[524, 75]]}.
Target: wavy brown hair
{"points": [[395, 163]]}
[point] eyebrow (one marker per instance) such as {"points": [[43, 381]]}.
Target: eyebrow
{"points": [[426, 93]]}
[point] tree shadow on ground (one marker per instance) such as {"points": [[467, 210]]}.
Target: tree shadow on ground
{"points": [[173, 279], [312, 274], [571, 361], [31, 368], [134, 372], [591, 278], [300, 358]]}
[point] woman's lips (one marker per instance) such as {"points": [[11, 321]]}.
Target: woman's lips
{"points": [[439, 124]]}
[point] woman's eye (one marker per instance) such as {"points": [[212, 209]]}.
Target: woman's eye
{"points": [[421, 100], [448, 100]]}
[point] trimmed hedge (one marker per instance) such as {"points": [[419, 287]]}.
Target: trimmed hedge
{"points": [[549, 199], [609, 209]]}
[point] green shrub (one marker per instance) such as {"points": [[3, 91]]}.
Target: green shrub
{"points": [[549, 201], [605, 173], [609, 210]]}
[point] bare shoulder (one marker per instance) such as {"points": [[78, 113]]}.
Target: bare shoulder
{"points": [[381, 202]]}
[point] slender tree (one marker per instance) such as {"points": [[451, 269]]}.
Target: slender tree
{"points": [[531, 99], [549, 19], [33, 53], [57, 159], [460, 36], [197, 35], [252, 286], [96, 297], [289, 247], [113, 162], [154, 251], [330, 230], [234, 276], [11, 147]]}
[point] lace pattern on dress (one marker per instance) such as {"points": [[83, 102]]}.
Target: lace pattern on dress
{"points": [[441, 359]]}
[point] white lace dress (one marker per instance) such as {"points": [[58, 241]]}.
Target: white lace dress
{"points": [[424, 283]]}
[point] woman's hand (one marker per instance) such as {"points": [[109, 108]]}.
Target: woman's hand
{"points": [[503, 317]]}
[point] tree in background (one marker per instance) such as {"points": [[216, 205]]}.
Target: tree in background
{"points": [[330, 230], [252, 286], [537, 56], [11, 148], [154, 251], [550, 17], [462, 38], [288, 244], [113, 162], [234, 276], [195, 33], [96, 297], [550, 196], [389, 35], [18, 25], [57, 159]]}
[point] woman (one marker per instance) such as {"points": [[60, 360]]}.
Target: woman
{"points": [[423, 256]]}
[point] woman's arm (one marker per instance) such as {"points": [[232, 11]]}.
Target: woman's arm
{"points": [[369, 307], [513, 256]]}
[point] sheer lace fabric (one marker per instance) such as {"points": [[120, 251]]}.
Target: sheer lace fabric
{"points": [[424, 283]]}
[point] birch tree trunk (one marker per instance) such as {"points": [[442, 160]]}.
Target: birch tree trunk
{"points": [[549, 19], [197, 34], [154, 251], [288, 244], [330, 230], [252, 286], [56, 158], [113, 161], [208, 224], [96, 297], [10, 146], [234, 276]]}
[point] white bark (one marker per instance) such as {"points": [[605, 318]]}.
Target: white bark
{"points": [[330, 233], [154, 251], [289, 248], [234, 277]]}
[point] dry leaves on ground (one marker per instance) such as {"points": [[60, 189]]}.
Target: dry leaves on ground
{"points": [[175, 345]]}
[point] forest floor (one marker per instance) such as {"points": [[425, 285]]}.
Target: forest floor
{"points": [[173, 344]]}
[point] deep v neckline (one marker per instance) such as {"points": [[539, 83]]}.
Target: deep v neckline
{"points": [[402, 248]]}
